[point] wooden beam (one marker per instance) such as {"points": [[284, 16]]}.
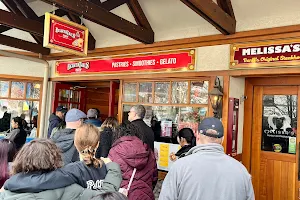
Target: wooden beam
{"points": [[58, 12], [26, 10], [109, 5], [109, 20], [91, 40], [138, 14], [22, 44], [227, 7], [212, 13], [22, 23], [10, 4]]}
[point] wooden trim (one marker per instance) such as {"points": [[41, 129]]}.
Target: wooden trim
{"points": [[189, 92], [226, 83], [120, 108], [278, 156], [168, 104], [9, 90], [247, 136], [219, 39], [275, 90], [8, 77], [210, 87]]}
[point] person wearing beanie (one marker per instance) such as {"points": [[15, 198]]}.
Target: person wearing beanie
{"points": [[64, 138], [93, 117]]}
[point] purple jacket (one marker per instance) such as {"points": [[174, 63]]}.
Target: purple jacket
{"points": [[130, 152]]}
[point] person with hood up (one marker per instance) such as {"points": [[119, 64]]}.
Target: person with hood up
{"points": [[40, 159], [132, 154], [64, 138], [92, 117], [56, 118]]}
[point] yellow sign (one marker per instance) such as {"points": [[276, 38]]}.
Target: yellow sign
{"points": [[164, 155]]}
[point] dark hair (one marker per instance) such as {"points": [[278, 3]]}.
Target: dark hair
{"points": [[7, 153], [40, 155], [127, 129], [110, 196], [18, 120], [187, 134]]}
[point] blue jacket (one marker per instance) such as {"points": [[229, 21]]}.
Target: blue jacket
{"points": [[53, 122], [95, 122]]}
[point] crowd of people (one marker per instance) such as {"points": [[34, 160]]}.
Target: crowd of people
{"points": [[85, 158]]}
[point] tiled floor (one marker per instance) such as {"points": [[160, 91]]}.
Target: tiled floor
{"points": [[157, 189]]}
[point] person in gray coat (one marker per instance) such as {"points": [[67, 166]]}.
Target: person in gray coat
{"points": [[207, 172], [64, 138], [41, 156]]}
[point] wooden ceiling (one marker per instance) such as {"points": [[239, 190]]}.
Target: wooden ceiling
{"points": [[22, 17]]}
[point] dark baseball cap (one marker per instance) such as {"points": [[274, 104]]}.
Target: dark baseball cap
{"points": [[61, 109], [211, 123]]}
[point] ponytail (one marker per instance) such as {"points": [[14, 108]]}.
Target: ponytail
{"points": [[193, 143], [92, 160]]}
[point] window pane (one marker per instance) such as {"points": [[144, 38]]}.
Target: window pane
{"points": [[63, 95], [279, 123], [145, 93], [33, 91], [162, 92], [17, 90], [199, 92], [166, 121], [74, 96], [28, 110], [4, 88], [179, 92], [130, 92]]}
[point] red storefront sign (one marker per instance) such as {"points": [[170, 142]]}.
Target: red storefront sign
{"points": [[64, 35], [268, 54], [183, 60]]}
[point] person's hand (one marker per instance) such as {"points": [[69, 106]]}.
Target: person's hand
{"points": [[173, 157], [106, 160]]}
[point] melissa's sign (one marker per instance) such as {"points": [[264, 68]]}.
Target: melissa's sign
{"points": [[65, 35], [163, 61], [265, 54]]}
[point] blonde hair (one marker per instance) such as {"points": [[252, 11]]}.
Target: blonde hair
{"points": [[110, 122], [86, 140]]}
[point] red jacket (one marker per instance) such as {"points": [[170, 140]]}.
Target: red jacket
{"points": [[130, 152]]}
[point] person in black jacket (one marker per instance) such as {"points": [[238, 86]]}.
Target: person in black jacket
{"points": [[56, 118], [186, 140], [18, 134], [106, 133], [136, 116]]}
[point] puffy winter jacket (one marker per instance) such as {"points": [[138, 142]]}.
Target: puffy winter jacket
{"points": [[130, 152]]}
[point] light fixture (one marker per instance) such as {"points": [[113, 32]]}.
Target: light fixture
{"points": [[216, 96]]}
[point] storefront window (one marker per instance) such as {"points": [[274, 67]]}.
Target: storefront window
{"points": [[145, 93], [179, 92], [199, 92], [172, 109], [162, 92], [279, 123], [130, 92], [17, 90], [4, 88], [27, 107]]}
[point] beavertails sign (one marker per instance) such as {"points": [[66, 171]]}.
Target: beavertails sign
{"points": [[65, 35], [165, 61], [265, 54]]}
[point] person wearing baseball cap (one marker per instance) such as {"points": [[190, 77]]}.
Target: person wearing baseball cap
{"points": [[206, 172], [92, 115], [64, 138], [56, 118]]}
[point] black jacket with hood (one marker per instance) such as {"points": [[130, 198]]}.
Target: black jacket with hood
{"points": [[53, 122], [106, 138], [64, 139]]}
